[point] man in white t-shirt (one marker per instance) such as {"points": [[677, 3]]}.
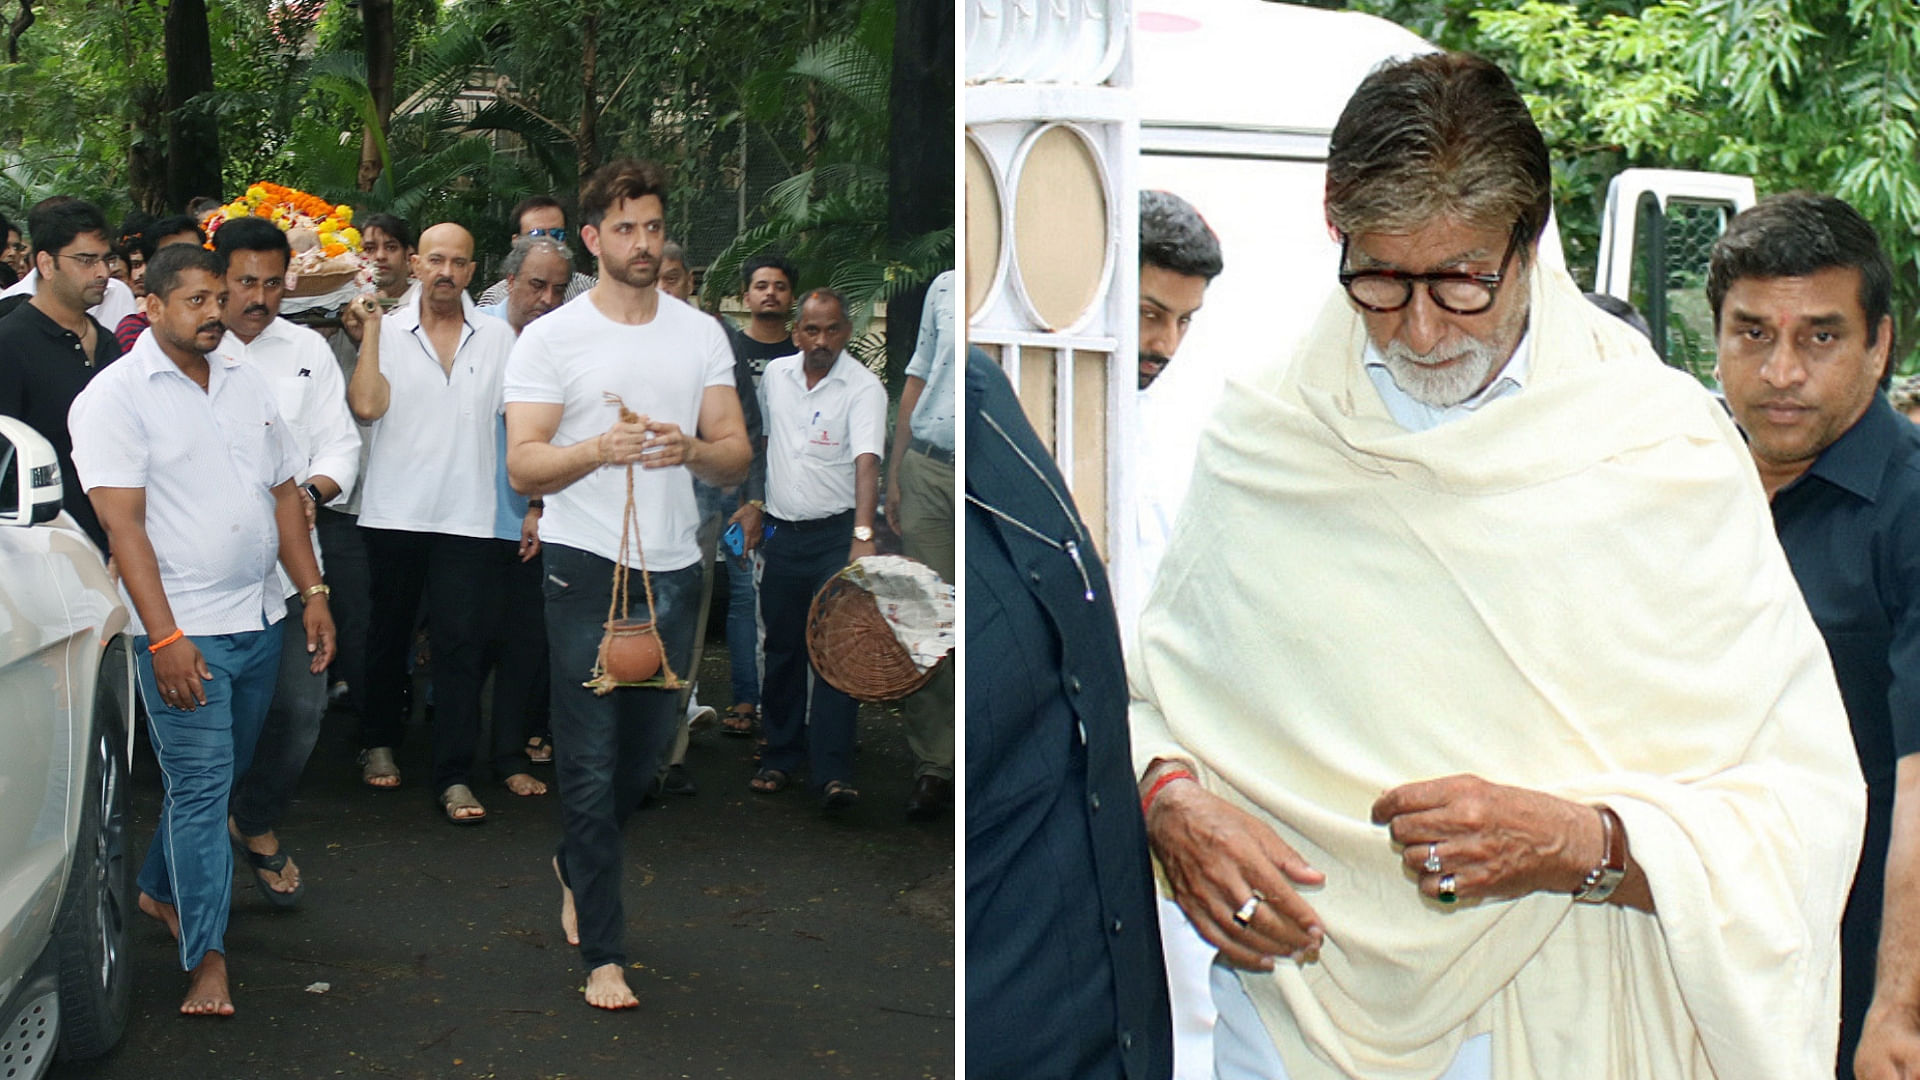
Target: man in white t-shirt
{"points": [[671, 366], [826, 424], [298, 367], [431, 390], [196, 548]]}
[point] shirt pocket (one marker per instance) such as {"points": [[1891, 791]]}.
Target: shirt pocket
{"points": [[290, 394], [824, 439]]}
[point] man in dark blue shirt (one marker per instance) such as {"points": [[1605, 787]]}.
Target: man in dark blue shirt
{"points": [[1064, 977], [1800, 290]]}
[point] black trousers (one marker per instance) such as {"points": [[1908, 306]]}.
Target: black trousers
{"points": [[460, 578], [518, 657]]}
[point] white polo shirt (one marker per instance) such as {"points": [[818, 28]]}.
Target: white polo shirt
{"points": [[574, 354], [208, 461], [116, 305], [431, 458], [815, 435]]}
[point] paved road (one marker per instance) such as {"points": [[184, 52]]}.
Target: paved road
{"points": [[765, 940]]}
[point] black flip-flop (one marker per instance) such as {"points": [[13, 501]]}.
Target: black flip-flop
{"points": [[272, 864]]}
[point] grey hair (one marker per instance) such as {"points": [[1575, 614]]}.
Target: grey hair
{"points": [[1173, 236], [1438, 136], [527, 245], [671, 251]]}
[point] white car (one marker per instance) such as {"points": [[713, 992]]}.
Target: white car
{"points": [[66, 714]]}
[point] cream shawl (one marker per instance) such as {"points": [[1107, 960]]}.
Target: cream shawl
{"points": [[1576, 590]]}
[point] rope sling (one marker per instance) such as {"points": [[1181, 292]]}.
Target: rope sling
{"points": [[603, 681]]}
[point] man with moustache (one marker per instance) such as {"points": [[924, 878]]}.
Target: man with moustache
{"points": [[1511, 789], [533, 217], [388, 241], [297, 365], [50, 347], [826, 418], [670, 366], [196, 548], [430, 388], [537, 271], [1801, 292], [14, 253]]}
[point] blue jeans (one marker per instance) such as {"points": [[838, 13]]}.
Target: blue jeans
{"points": [[816, 728], [190, 861], [743, 627], [606, 750], [266, 787]]}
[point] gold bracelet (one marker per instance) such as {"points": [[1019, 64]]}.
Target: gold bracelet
{"points": [[312, 591]]}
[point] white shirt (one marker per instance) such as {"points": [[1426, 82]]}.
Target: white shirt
{"points": [[814, 436], [431, 457], [116, 305], [1417, 415], [207, 460], [574, 354]]}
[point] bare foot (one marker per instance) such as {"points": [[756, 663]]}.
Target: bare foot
{"points": [[207, 993], [569, 922], [523, 784], [607, 988], [288, 879], [162, 912]]}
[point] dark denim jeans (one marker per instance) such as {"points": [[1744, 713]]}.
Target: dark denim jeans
{"points": [[190, 861], [819, 728], [261, 796], [606, 750], [461, 577]]}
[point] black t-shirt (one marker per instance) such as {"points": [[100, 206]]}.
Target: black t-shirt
{"points": [[42, 369], [755, 354]]}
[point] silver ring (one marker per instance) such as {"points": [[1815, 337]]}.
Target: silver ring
{"points": [[1245, 914], [1447, 895], [1433, 858]]}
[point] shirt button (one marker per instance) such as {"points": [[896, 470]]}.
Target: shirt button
{"points": [[1126, 1040], [1073, 683], [1116, 926], [1033, 576], [1094, 801]]}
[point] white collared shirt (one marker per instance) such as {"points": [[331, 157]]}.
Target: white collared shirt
{"points": [[815, 435], [431, 457], [1418, 415], [662, 369], [116, 305], [208, 461], [307, 385]]}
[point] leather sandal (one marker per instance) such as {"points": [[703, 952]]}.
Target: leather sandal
{"points": [[459, 797], [376, 762], [739, 723]]}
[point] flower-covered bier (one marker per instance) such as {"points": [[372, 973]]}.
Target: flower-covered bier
{"points": [[326, 246]]}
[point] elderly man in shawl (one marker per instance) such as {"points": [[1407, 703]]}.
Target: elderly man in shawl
{"points": [[1509, 750]]}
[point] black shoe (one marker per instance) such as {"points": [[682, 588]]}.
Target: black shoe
{"points": [[931, 796], [677, 782]]}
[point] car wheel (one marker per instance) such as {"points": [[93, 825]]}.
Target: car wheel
{"points": [[90, 936]]}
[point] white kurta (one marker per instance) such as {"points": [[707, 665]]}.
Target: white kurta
{"points": [[1576, 590]]}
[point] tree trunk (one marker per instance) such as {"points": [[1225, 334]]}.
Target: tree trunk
{"points": [[193, 138], [919, 151], [378, 15], [586, 144]]}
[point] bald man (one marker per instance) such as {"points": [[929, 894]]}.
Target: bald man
{"points": [[431, 391]]}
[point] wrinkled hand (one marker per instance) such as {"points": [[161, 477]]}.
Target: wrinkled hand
{"points": [[178, 671], [530, 535], [1216, 856], [318, 621], [752, 523], [360, 315], [1889, 1046], [1498, 842]]}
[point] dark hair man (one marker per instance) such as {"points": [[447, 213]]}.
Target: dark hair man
{"points": [[1179, 258], [1801, 294], [125, 239], [196, 548], [14, 254], [107, 308], [178, 229], [537, 216], [569, 444], [1544, 807], [388, 243], [50, 347], [826, 418], [298, 364], [430, 388]]}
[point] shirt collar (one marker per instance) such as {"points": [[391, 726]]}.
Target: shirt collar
{"points": [[1857, 460], [1418, 415], [153, 360], [407, 315], [836, 373]]}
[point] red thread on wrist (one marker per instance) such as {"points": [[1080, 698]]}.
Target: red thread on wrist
{"points": [[156, 646], [1165, 778]]}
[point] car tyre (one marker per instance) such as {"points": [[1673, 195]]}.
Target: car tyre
{"points": [[90, 935]]}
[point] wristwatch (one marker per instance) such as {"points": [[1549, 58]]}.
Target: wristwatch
{"points": [[313, 493], [1600, 881], [862, 533]]}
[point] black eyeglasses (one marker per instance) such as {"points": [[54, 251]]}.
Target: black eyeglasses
{"points": [[1458, 291], [85, 261]]}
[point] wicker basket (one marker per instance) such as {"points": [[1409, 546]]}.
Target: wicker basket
{"points": [[322, 283], [854, 649]]}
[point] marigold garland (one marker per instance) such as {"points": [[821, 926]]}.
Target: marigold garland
{"points": [[291, 208]]}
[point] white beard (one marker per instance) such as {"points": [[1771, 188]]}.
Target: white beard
{"points": [[1440, 387]]}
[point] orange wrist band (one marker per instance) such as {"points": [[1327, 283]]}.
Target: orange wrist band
{"points": [[1166, 778], [154, 647]]}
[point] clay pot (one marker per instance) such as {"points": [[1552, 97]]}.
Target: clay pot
{"points": [[630, 651]]}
